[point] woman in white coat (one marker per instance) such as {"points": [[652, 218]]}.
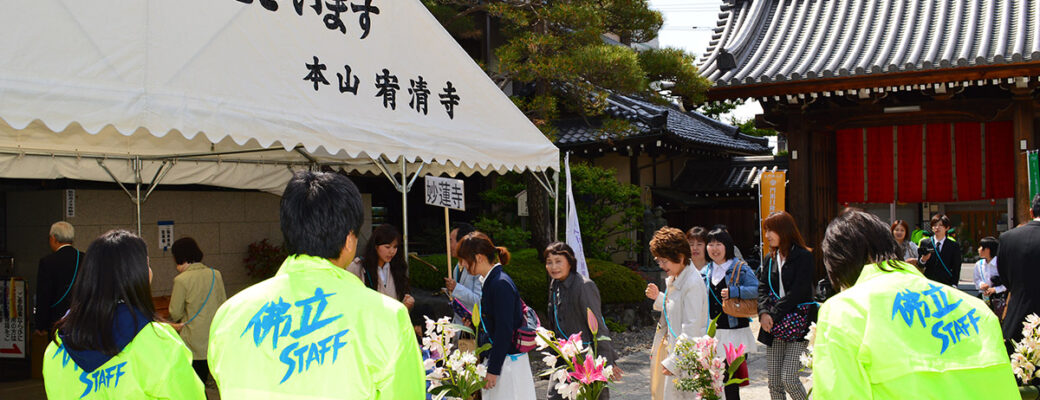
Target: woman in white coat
{"points": [[683, 306]]}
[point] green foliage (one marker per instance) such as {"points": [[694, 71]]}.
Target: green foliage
{"points": [[747, 127], [606, 208], [512, 237], [263, 259], [617, 284], [559, 47], [614, 326], [677, 66], [715, 109]]}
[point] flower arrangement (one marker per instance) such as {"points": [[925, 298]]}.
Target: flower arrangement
{"points": [[452, 373], [1026, 358], [703, 372], [585, 374], [807, 357]]}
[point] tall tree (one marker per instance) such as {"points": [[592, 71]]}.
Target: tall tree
{"points": [[569, 55]]}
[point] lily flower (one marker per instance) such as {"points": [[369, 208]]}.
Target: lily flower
{"points": [[593, 322], [587, 373], [731, 353]]}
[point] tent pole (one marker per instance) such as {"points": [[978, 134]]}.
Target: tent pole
{"points": [[556, 209], [404, 205], [137, 199]]}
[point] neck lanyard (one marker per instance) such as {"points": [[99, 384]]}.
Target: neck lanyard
{"points": [[211, 283], [666, 321], [939, 256], [69, 289]]}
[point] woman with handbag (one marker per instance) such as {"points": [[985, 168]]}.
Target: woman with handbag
{"points": [[501, 312], [785, 304], [683, 306], [732, 298]]}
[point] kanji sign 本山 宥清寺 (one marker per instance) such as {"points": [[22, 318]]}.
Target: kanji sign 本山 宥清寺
{"points": [[445, 192]]}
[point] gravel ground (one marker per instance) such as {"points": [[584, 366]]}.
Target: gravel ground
{"points": [[633, 340]]}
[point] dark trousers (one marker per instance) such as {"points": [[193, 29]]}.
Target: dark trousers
{"points": [[732, 391], [201, 369]]}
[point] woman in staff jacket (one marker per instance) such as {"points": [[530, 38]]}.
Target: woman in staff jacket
{"points": [[109, 345], [570, 297], [892, 333], [721, 278], [683, 306], [786, 285]]}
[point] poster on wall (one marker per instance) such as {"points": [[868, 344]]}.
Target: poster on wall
{"points": [[772, 187], [12, 319]]}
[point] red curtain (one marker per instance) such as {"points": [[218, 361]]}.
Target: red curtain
{"points": [[880, 171], [1000, 160], [910, 167], [850, 165], [938, 163], [968, 139]]}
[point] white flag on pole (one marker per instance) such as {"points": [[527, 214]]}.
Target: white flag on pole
{"points": [[573, 230]]}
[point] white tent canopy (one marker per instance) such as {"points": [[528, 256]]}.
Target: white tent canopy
{"points": [[231, 92]]}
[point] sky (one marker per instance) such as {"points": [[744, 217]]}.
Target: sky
{"points": [[688, 25]]}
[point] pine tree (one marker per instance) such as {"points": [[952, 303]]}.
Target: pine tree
{"points": [[570, 55]]}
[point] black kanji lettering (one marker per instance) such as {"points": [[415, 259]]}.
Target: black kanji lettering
{"points": [[450, 99], [344, 81], [420, 93], [388, 87], [298, 4], [315, 75]]}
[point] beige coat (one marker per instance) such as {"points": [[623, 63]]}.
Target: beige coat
{"points": [[387, 288], [687, 312], [189, 293]]}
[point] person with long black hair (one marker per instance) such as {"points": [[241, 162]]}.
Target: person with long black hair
{"points": [[382, 266], [110, 344]]}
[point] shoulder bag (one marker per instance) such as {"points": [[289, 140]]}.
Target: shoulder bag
{"points": [[736, 307]]}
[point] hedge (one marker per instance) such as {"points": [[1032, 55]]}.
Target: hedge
{"points": [[617, 284]]}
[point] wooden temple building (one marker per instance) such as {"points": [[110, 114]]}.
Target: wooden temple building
{"points": [[901, 107]]}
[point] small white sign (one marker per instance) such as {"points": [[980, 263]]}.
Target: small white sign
{"points": [[70, 203], [521, 203], [445, 192], [165, 235], [12, 325]]}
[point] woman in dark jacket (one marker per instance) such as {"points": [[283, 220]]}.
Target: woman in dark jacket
{"points": [[570, 296], [784, 288]]}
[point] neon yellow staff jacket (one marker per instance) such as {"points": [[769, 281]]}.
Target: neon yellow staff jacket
{"points": [[154, 365], [898, 335], [314, 331]]}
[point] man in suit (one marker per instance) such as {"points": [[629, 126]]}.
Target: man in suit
{"points": [[944, 264], [55, 275], [1019, 268]]}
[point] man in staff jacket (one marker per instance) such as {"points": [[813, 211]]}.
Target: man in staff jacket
{"points": [[54, 277], [314, 331], [944, 263]]}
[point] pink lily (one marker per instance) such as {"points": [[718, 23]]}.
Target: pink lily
{"points": [[593, 322], [731, 353], [587, 373]]}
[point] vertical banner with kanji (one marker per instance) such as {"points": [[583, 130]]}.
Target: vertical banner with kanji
{"points": [[12, 319], [1034, 173], [771, 189]]}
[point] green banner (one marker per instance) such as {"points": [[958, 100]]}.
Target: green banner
{"points": [[1034, 174]]}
